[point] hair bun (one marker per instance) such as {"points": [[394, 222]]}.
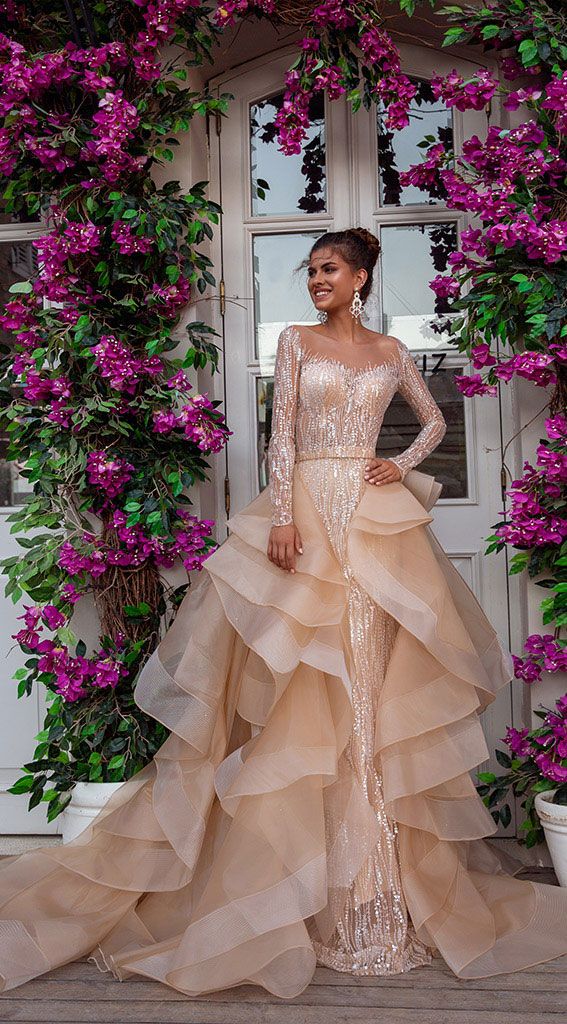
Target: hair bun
{"points": [[367, 239]]}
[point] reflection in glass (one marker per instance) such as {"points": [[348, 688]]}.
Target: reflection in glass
{"points": [[280, 289], [412, 255], [296, 183], [17, 263], [448, 463], [398, 150], [264, 400]]}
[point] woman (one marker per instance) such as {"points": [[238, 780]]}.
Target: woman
{"points": [[322, 683]]}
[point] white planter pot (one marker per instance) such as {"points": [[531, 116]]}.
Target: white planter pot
{"points": [[87, 799], [554, 820]]}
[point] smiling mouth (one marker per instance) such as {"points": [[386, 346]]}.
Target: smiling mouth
{"points": [[321, 295]]}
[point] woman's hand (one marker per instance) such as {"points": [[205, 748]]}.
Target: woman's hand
{"points": [[382, 471], [283, 542]]}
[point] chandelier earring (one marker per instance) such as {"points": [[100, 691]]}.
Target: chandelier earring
{"points": [[322, 316], [357, 305]]}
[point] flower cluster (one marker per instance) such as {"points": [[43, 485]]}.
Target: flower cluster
{"points": [[537, 367], [226, 13], [195, 421], [123, 369], [533, 519], [508, 181], [89, 556], [55, 280], [545, 746], [26, 79], [473, 94], [127, 242], [170, 298], [107, 474], [35, 617], [333, 64], [115, 123], [75, 677], [544, 654]]}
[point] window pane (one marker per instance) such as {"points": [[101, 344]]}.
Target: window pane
{"points": [[280, 287], [412, 255], [448, 463], [297, 183], [398, 150]]}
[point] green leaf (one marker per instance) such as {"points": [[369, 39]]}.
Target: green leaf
{"points": [[172, 273], [505, 815], [20, 288], [503, 758]]}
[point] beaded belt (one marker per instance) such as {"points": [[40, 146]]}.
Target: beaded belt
{"points": [[354, 452]]}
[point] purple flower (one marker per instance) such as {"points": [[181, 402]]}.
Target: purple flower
{"points": [[52, 617], [473, 385], [108, 474], [518, 742], [120, 366], [471, 95], [128, 243]]}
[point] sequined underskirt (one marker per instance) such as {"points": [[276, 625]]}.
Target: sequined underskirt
{"points": [[374, 934]]}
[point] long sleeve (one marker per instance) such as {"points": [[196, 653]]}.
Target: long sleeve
{"points": [[416, 393], [281, 447]]}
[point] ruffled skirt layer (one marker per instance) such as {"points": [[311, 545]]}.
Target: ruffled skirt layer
{"points": [[241, 852]]}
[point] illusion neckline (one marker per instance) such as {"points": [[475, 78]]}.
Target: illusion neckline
{"points": [[320, 357], [362, 344]]}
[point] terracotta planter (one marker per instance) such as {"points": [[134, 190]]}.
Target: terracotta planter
{"points": [[554, 820], [87, 799]]}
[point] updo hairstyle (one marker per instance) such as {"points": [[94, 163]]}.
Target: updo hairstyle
{"points": [[357, 246]]}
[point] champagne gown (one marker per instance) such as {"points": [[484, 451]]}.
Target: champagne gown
{"points": [[314, 801]]}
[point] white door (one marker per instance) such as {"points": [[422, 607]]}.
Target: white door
{"points": [[346, 176], [21, 719]]}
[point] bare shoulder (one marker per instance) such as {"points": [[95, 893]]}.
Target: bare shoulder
{"points": [[387, 343], [399, 347]]}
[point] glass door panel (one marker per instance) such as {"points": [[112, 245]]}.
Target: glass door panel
{"points": [[398, 150], [280, 287], [448, 463], [412, 255], [297, 183]]}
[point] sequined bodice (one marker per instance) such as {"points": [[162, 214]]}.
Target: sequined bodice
{"points": [[323, 408]]}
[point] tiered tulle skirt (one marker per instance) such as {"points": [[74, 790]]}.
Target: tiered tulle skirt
{"points": [[314, 800]]}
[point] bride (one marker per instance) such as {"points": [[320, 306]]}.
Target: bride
{"points": [[322, 683]]}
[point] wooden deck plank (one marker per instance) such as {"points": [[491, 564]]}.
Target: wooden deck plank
{"points": [[351, 995], [140, 1012]]}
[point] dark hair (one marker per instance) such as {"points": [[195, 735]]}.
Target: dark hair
{"points": [[357, 246]]}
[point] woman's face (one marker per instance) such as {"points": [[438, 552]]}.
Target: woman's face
{"points": [[330, 280]]}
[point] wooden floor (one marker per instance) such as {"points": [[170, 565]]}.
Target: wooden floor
{"points": [[79, 992]]}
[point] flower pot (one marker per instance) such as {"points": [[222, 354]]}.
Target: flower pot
{"points": [[553, 817], [87, 799]]}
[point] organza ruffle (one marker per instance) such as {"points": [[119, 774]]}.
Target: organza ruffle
{"points": [[202, 870]]}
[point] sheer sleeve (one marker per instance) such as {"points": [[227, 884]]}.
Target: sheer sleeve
{"points": [[281, 447], [416, 393]]}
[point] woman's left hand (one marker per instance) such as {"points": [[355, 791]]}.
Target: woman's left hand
{"points": [[381, 471]]}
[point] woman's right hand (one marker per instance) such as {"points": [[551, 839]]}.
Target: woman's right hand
{"points": [[283, 543]]}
